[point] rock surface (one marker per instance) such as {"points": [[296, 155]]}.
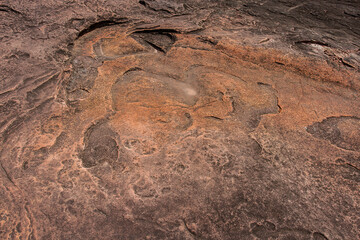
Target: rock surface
{"points": [[158, 119]]}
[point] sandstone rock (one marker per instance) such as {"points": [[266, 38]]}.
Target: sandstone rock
{"points": [[159, 119]]}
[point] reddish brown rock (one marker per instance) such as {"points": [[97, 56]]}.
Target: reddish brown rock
{"points": [[179, 120]]}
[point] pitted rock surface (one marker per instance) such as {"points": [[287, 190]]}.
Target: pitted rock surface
{"points": [[180, 120]]}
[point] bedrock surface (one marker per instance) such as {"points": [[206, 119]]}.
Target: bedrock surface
{"points": [[159, 119]]}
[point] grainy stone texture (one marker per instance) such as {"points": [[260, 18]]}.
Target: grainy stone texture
{"points": [[159, 119]]}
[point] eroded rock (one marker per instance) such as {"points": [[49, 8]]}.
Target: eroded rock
{"points": [[179, 120]]}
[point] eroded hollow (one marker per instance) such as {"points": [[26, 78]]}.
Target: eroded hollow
{"points": [[160, 39]]}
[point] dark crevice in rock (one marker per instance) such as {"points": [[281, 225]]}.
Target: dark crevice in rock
{"points": [[132, 70], [101, 24], [313, 42], [4, 8], [159, 39], [142, 2], [7, 174], [188, 229], [319, 236], [155, 46], [346, 63], [262, 83], [98, 210], [159, 31], [353, 167], [352, 14], [215, 118]]}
